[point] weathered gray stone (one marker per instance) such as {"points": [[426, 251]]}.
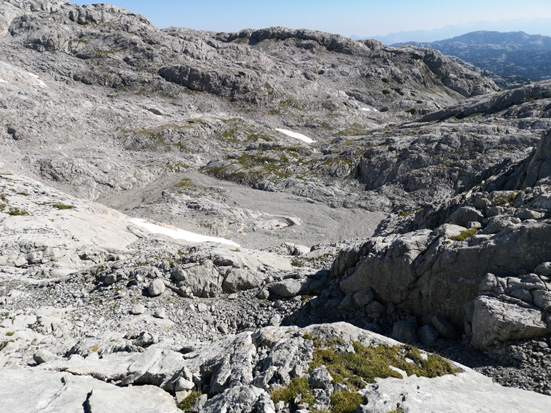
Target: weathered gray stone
{"points": [[288, 288], [404, 331], [43, 356], [58, 392], [444, 327], [464, 392], [179, 274], [320, 378], [375, 307], [363, 297], [495, 321], [524, 213], [542, 299], [137, 309], [347, 303], [462, 216], [160, 313], [156, 287], [497, 223], [242, 279], [246, 399], [544, 268], [427, 334], [490, 285]]}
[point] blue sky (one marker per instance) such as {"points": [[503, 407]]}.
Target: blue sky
{"points": [[352, 17]]}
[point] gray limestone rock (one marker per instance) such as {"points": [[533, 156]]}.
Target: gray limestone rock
{"points": [[320, 378], [288, 288], [55, 392], [427, 334], [242, 279], [544, 268], [137, 309], [464, 215], [404, 331], [363, 297], [246, 399], [499, 222], [465, 392], [156, 287], [495, 321]]}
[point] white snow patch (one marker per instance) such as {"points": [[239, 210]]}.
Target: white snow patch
{"points": [[369, 109], [296, 135], [37, 78], [4, 81], [180, 233]]}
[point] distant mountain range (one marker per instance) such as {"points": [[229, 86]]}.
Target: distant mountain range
{"points": [[516, 56]]}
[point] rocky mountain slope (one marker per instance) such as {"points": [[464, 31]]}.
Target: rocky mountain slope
{"points": [[231, 221], [516, 56]]}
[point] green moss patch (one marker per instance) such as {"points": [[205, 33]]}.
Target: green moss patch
{"points": [[345, 401], [186, 404], [468, 233], [62, 206], [358, 368], [299, 385], [367, 363]]}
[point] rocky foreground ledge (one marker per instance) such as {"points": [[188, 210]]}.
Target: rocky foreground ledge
{"points": [[146, 323]]}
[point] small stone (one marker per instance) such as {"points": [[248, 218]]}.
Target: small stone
{"points": [[263, 294], [160, 313], [43, 356], [287, 288], [529, 214], [363, 297], [542, 299], [183, 385], [543, 269], [223, 328], [375, 307], [111, 279], [445, 328], [404, 331], [320, 378], [275, 320], [490, 284], [156, 288], [347, 303], [137, 309], [179, 274], [427, 334]]}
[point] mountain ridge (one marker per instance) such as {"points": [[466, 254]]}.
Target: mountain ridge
{"points": [[511, 55]]}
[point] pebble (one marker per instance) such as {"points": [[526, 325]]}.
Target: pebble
{"points": [[137, 309]]}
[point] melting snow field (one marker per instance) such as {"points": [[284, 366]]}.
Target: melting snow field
{"points": [[37, 78], [180, 233], [296, 135]]}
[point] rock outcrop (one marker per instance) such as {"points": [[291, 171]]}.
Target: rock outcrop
{"points": [[477, 270]]}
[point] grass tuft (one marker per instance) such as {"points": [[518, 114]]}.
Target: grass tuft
{"points": [[468, 233]]}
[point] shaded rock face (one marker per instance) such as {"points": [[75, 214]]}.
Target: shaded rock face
{"points": [[444, 272], [536, 168]]}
